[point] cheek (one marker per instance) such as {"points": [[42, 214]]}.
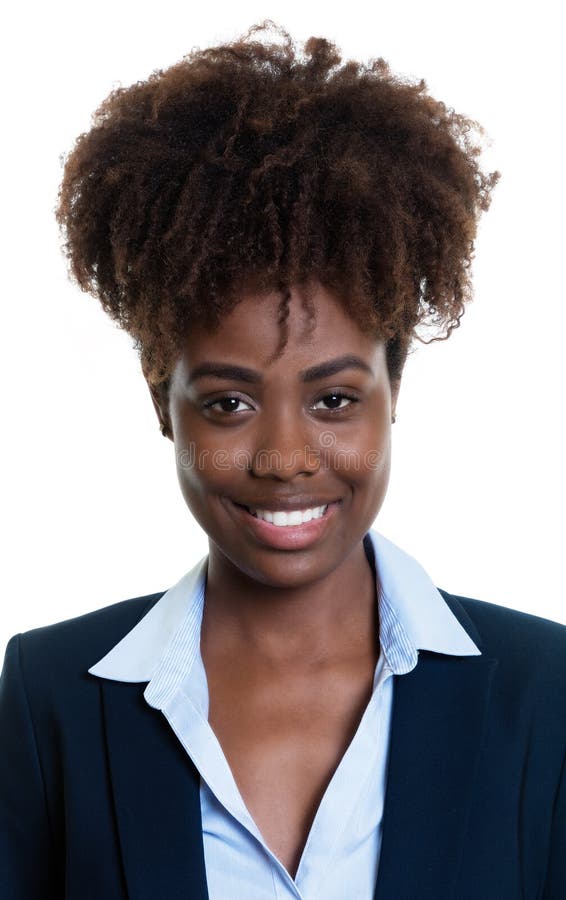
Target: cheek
{"points": [[199, 478], [205, 469], [363, 455], [377, 456], [366, 472], [199, 466]]}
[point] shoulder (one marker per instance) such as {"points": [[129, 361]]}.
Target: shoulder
{"points": [[527, 646], [495, 622], [73, 645]]}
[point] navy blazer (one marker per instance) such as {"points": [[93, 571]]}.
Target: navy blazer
{"points": [[99, 800]]}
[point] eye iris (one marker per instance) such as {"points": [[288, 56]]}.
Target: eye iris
{"points": [[224, 404], [333, 400]]}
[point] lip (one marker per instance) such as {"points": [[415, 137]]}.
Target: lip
{"points": [[288, 537]]}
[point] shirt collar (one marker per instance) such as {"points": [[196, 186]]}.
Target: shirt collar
{"points": [[413, 616]]}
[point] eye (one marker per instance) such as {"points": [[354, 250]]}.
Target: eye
{"points": [[335, 401], [227, 405]]}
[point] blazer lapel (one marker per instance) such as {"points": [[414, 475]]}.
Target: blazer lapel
{"points": [[157, 799], [437, 732]]}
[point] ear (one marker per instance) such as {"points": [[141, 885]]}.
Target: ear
{"points": [[159, 398], [395, 387]]}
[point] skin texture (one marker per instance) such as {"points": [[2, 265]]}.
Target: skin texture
{"points": [[289, 637]]}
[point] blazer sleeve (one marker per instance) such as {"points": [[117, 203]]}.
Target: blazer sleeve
{"points": [[26, 850], [555, 883]]}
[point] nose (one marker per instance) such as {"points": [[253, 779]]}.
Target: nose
{"points": [[283, 451]]}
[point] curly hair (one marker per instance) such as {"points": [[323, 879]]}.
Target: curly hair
{"points": [[246, 166]]}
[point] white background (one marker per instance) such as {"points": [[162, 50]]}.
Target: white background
{"points": [[91, 509]]}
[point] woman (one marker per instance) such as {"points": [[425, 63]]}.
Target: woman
{"points": [[304, 714]]}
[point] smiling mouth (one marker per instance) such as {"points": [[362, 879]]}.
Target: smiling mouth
{"points": [[290, 517], [292, 529], [285, 518]]}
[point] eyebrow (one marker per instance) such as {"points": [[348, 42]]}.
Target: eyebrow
{"points": [[241, 373]]}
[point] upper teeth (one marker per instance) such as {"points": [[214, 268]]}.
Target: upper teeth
{"points": [[293, 517]]}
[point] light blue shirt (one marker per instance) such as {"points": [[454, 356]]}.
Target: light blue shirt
{"points": [[341, 855]]}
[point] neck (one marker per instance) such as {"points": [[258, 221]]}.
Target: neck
{"points": [[332, 620]]}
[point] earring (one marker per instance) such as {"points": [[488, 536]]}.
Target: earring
{"points": [[393, 418], [163, 429]]}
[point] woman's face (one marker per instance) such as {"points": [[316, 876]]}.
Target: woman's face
{"points": [[308, 433]]}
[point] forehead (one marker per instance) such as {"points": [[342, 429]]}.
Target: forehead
{"points": [[250, 334]]}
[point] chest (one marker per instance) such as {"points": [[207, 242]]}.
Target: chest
{"points": [[283, 740]]}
